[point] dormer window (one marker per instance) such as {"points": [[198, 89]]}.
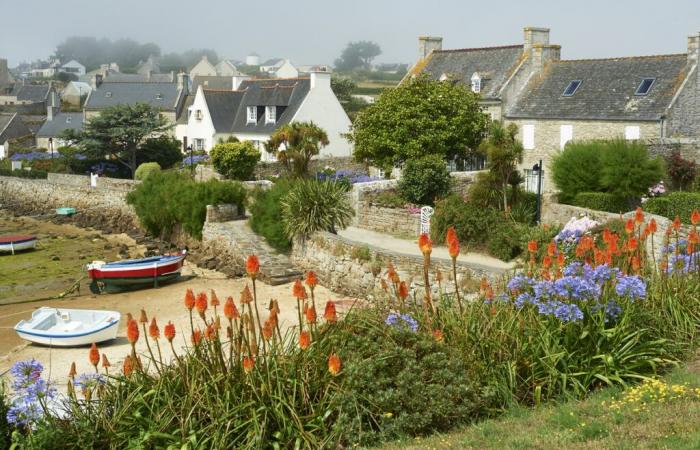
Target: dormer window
{"points": [[68, 119], [108, 94], [159, 96], [270, 114], [571, 88], [252, 114], [645, 86], [476, 83]]}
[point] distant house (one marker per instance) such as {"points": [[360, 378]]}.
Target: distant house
{"points": [[149, 66], [73, 67], [279, 68], [167, 97], [57, 122], [203, 68], [26, 98], [11, 127], [227, 68], [255, 108], [651, 98], [73, 92]]}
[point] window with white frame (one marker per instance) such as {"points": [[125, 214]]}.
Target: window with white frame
{"points": [[199, 144], [632, 133], [270, 114], [252, 114], [528, 137], [566, 134], [476, 83]]}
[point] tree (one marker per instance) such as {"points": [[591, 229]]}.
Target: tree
{"points": [[358, 55], [342, 88], [120, 132], [504, 152], [165, 150], [418, 118], [235, 160], [92, 52], [294, 145], [315, 205], [424, 180]]}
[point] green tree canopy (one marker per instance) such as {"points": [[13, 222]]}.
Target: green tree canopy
{"points": [[121, 132], [294, 145], [504, 152], [235, 160], [358, 55], [418, 118], [342, 88], [92, 52]]}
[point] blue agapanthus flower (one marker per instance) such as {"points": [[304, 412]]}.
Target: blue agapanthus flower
{"points": [[520, 283], [402, 321], [632, 287], [25, 373], [30, 392], [577, 288], [89, 381]]}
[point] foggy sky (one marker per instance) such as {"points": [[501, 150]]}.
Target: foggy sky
{"points": [[315, 31]]}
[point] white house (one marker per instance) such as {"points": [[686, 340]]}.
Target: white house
{"points": [[73, 67], [203, 68], [256, 108], [73, 92], [226, 68], [279, 68]]}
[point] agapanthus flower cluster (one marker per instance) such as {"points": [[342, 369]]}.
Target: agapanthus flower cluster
{"points": [[89, 381], [566, 297], [30, 391], [574, 229], [397, 320], [679, 260], [344, 175]]}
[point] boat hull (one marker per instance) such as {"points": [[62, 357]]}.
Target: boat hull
{"points": [[134, 274], [11, 244], [105, 330]]}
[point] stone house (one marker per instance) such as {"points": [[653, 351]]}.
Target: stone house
{"points": [[226, 68], [11, 127], [255, 108], [203, 68], [73, 67], [57, 122], [553, 101], [21, 93]]}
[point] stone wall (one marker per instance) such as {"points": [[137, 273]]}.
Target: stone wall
{"points": [[84, 181], [395, 221], [268, 170], [103, 207], [347, 266]]}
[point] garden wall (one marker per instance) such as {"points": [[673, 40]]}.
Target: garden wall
{"points": [[347, 266], [268, 170]]}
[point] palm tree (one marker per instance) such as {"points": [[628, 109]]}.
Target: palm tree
{"points": [[294, 145], [504, 152]]}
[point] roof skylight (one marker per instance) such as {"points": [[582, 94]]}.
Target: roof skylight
{"points": [[645, 86], [571, 88]]}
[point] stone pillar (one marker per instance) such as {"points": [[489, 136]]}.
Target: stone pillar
{"points": [[221, 213]]}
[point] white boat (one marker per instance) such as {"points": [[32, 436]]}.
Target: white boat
{"points": [[59, 327], [16, 242]]}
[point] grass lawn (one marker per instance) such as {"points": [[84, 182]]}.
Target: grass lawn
{"points": [[670, 422]]}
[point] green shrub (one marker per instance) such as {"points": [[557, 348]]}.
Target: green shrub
{"points": [[674, 204], [386, 199], [235, 160], [424, 180], [314, 205], [266, 215], [167, 199], [164, 150], [361, 253], [472, 223], [577, 169], [504, 241], [35, 174], [146, 169], [601, 201]]}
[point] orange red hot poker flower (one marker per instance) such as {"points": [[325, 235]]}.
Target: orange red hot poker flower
{"points": [[230, 310], [201, 303], [298, 290], [153, 330], [132, 331], [304, 340], [695, 217], [450, 236], [252, 266], [169, 331], [189, 299], [334, 364], [330, 313], [94, 355], [425, 244], [311, 279]]}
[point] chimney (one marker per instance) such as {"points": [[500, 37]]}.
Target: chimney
{"points": [[535, 36], [149, 74], [238, 79], [4, 72], [96, 81], [49, 112], [320, 80], [183, 83], [694, 48], [427, 44]]}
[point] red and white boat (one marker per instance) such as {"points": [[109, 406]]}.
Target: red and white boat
{"points": [[134, 273], [16, 242]]}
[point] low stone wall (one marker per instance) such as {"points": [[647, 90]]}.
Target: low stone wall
{"points": [[268, 170], [84, 181], [462, 181], [336, 261], [104, 208], [395, 221], [559, 214]]}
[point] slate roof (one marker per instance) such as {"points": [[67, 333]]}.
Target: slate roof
{"points": [[183, 117], [228, 109], [607, 90], [118, 77], [111, 94], [61, 122], [224, 83], [35, 93], [5, 120], [493, 64]]}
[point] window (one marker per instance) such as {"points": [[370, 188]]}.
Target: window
{"points": [[566, 134], [270, 114], [571, 88], [252, 114], [199, 144], [198, 114], [108, 94], [645, 86], [528, 137], [632, 133], [159, 96], [68, 119], [476, 83]]}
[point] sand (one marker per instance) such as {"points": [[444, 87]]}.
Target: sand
{"points": [[164, 303]]}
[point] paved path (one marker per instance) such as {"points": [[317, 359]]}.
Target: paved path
{"points": [[410, 247]]}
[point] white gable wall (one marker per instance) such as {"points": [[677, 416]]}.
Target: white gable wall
{"points": [[323, 108], [200, 128], [286, 70], [203, 68]]}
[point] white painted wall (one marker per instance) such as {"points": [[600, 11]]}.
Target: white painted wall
{"points": [[203, 68], [287, 70], [323, 108], [199, 128]]}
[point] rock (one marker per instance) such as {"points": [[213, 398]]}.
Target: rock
{"points": [[55, 258]]}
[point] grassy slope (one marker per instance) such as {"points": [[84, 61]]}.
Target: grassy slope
{"points": [[589, 424]]}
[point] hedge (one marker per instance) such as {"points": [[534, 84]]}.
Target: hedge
{"points": [[674, 204], [601, 201]]}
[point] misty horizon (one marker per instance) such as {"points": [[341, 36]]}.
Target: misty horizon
{"points": [[315, 32]]}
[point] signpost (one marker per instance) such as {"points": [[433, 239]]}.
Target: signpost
{"points": [[426, 213]]}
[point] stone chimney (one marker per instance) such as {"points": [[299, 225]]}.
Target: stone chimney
{"points": [[541, 52], [96, 81], [427, 44], [149, 74], [238, 79], [694, 48], [183, 83], [320, 80], [535, 36], [4, 72]]}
